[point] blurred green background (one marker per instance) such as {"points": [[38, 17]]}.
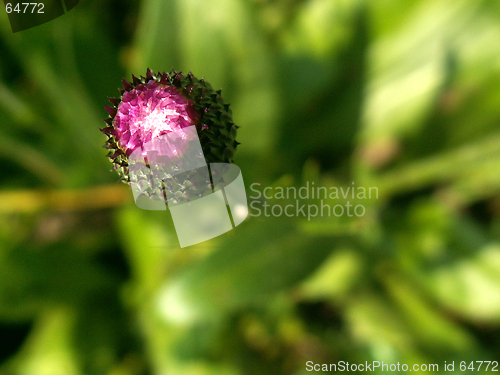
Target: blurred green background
{"points": [[402, 95]]}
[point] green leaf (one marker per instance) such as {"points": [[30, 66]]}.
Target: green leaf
{"points": [[270, 258]]}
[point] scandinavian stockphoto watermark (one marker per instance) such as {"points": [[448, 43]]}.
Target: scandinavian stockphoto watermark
{"points": [[381, 366], [310, 201], [207, 200]]}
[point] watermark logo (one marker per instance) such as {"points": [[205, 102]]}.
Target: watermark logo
{"points": [[204, 200], [310, 201], [25, 15]]}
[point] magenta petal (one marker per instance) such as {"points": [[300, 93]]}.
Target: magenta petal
{"points": [[149, 111]]}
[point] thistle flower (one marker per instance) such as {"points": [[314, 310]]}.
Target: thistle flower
{"points": [[152, 106]]}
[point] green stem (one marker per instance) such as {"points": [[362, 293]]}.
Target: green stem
{"points": [[31, 201]]}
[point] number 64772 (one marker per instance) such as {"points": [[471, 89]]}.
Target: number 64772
{"points": [[18, 8]]}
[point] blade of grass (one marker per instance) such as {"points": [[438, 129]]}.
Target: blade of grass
{"points": [[32, 201]]}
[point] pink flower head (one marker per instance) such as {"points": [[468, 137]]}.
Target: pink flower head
{"points": [[164, 106], [149, 111]]}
